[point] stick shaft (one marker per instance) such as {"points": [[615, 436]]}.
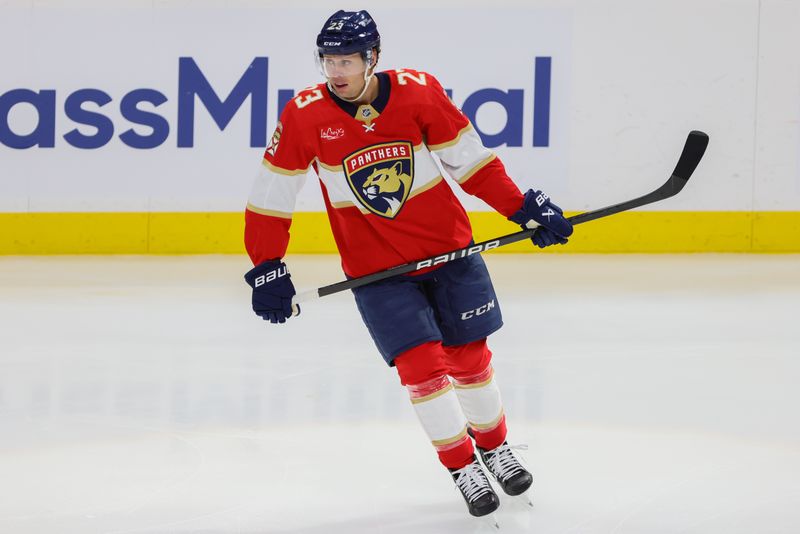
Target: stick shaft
{"points": [[691, 155]]}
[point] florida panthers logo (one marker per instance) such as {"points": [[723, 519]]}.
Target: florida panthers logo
{"points": [[381, 176]]}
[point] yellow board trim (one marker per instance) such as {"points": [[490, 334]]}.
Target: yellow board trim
{"points": [[222, 233]]}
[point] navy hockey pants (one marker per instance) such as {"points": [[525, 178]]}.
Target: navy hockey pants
{"points": [[454, 304]]}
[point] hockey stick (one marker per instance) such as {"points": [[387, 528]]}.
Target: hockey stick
{"points": [[691, 155]]}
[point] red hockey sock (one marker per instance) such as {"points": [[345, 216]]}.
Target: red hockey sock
{"points": [[491, 439], [458, 455]]}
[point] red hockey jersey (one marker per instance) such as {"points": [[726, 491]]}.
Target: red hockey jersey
{"points": [[385, 196]]}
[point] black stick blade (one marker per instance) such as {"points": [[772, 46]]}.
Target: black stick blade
{"points": [[693, 151]]}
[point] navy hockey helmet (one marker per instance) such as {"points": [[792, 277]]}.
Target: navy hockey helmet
{"points": [[348, 32]]}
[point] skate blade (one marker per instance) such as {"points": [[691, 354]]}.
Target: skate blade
{"points": [[525, 499], [521, 501], [489, 522]]}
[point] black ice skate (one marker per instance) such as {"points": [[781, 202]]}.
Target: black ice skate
{"points": [[476, 489], [506, 469]]}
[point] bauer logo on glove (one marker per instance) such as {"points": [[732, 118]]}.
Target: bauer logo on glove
{"points": [[270, 276], [553, 229], [272, 291]]}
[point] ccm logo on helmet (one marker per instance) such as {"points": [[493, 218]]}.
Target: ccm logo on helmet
{"points": [[478, 311], [270, 276], [334, 43]]}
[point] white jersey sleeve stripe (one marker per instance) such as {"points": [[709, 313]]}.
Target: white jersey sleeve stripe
{"points": [[456, 139], [430, 185], [476, 168], [331, 168], [275, 193], [348, 204], [464, 158]]}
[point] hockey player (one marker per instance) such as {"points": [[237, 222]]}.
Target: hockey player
{"points": [[369, 136]]}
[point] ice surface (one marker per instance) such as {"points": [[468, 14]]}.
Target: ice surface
{"points": [[657, 394]]}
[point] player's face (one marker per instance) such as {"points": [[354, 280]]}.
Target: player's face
{"points": [[345, 73]]}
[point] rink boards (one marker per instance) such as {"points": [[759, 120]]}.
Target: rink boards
{"points": [[211, 233], [112, 144]]}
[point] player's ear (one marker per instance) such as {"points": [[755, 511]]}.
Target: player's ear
{"points": [[375, 56]]}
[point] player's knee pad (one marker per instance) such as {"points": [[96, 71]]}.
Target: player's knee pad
{"points": [[467, 363], [421, 364]]}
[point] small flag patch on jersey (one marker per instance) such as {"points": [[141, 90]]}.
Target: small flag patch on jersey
{"points": [[381, 176]]}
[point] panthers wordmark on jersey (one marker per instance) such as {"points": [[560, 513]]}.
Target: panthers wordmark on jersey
{"points": [[387, 201]]}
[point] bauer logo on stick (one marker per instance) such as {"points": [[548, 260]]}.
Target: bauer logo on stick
{"points": [[381, 176]]}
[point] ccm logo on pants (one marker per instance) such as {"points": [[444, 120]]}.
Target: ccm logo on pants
{"points": [[477, 311]]}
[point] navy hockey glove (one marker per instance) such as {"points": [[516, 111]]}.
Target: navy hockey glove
{"points": [[272, 291], [554, 227]]}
